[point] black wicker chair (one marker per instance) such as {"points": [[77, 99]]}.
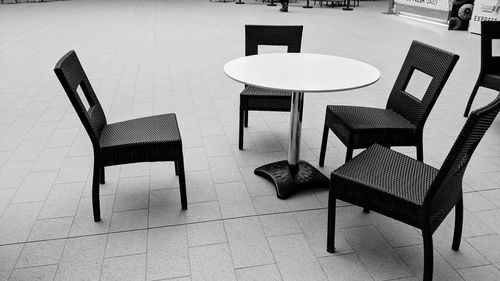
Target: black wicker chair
{"points": [[147, 139], [402, 122], [410, 191], [258, 99], [489, 75]]}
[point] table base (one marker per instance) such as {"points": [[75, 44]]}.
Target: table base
{"points": [[289, 179]]}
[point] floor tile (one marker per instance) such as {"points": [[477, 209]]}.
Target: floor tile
{"points": [[35, 187], [129, 220], [279, 224], [54, 207], [247, 242], [167, 253], [12, 174], [83, 223], [314, 225], [474, 202], [480, 273], [398, 234], [303, 201], [269, 204], [234, 200], [488, 246], [205, 211], [381, 261], [165, 208], [414, 258], [17, 221], [466, 256], [212, 262], [162, 176], [256, 185], [82, 258], [264, 272], [50, 229], [75, 169], [224, 169], [248, 157], [41, 273], [5, 197], [200, 187], [206, 233], [131, 268], [126, 243], [132, 194], [295, 259], [344, 267], [8, 258], [41, 253], [489, 219]]}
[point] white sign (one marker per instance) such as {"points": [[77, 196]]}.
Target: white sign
{"points": [[484, 10], [443, 5]]}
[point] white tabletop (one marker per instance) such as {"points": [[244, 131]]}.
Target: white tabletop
{"points": [[301, 72]]}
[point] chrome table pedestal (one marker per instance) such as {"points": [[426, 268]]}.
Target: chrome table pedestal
{"points": [[293, 174]]}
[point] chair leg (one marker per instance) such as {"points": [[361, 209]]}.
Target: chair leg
{"points": [[240, 133], [95, 191], [348, 155], [428, 254], [420, 152], [323, 146], [103, 176], [246, 118], [332, 204], [472, 96], [459, 217], [182, 183], [176, 164]]}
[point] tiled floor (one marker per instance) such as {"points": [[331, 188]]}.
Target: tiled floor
{"points": [[147, 57]]}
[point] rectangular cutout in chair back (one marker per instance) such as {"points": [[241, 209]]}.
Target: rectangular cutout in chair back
{"points": [[495, 48], [267, 49], [418, 84], [83, 98]]}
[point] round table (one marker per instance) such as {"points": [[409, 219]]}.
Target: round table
{"points": [[299, 73]]}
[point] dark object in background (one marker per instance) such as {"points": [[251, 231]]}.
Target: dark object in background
{"points": [[146, 139], [460, 14], [399, 187], [284, 5], [489, 75]]}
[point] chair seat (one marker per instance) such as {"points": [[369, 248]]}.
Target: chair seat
{"points": [[363, 126], [266, 99], [155, 138], [492, 81], [385, 181]]}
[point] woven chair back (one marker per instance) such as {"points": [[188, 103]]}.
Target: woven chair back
{"points": [[70, 73], [446, 189], [490, 30], [272, 35], [432, 61]]}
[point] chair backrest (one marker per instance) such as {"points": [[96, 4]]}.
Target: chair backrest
{"points": [[272, 35], [446, 190], [71, 75], [436, 63], [490, 30]]}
